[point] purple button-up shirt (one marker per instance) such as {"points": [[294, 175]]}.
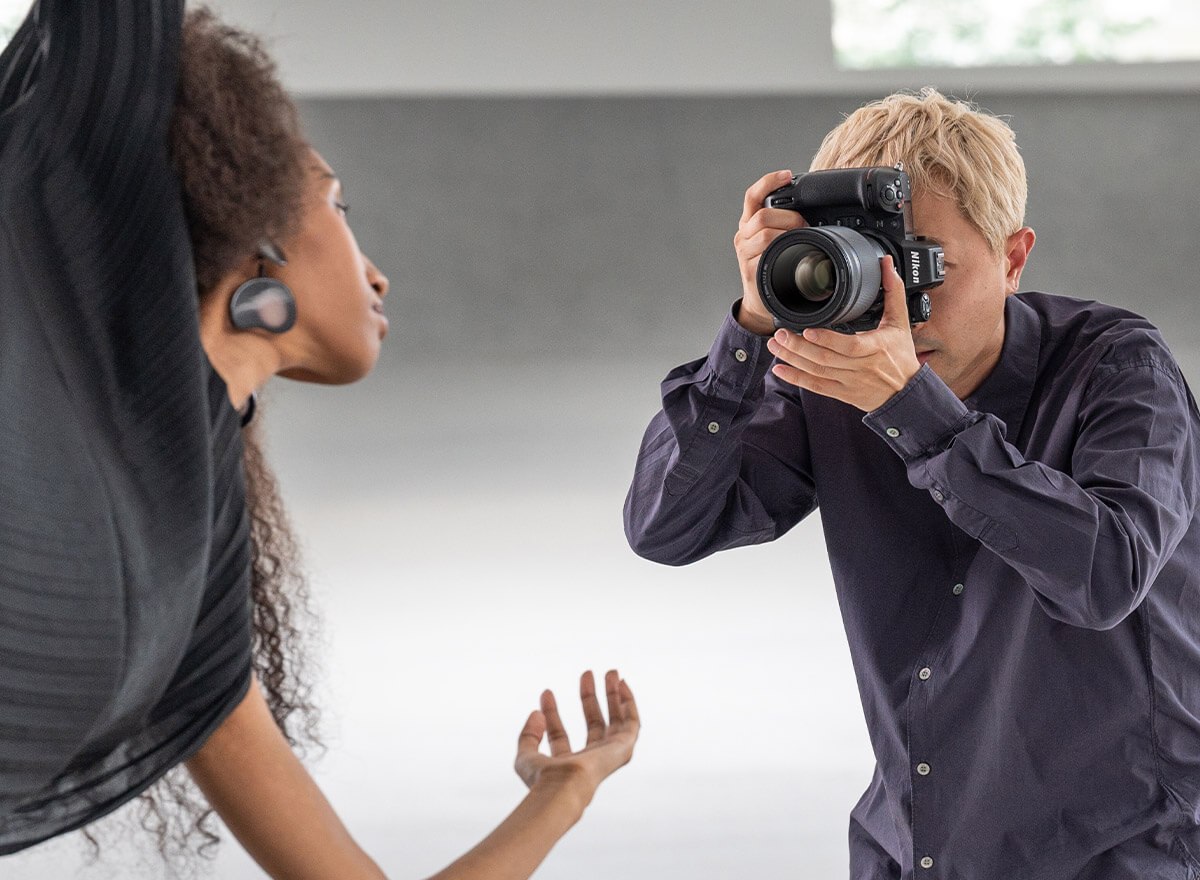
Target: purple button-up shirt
{"points": [[1017, 573]]}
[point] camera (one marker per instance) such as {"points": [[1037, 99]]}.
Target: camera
{"points": [[827, 274]]}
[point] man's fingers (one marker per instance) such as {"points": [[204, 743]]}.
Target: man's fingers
{"points": [[807, 381], [772, 220], [761, 188], [816, 347], [798, 365], [753, 237], [895, 303]]}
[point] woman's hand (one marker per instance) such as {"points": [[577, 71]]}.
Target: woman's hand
{"points": [[561, 784], [609, 745]]}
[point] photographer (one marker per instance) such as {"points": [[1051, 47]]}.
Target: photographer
{"points": [[1008, 492]]}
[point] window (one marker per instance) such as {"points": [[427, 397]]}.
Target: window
{"points": [[872, 34]]}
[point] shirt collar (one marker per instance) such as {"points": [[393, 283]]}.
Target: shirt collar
{"points": [[1006, 391]]}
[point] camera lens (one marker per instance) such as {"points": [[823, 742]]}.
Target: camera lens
{"points": [[820, 276], [814, 276]]}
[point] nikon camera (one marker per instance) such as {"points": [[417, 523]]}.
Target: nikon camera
{"points": [[827, 274]]}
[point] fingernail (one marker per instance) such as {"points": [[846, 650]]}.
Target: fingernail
{"points": [[781, 335], [784, 175]]}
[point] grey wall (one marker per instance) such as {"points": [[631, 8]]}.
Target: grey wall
{"points": [[530, 228]]}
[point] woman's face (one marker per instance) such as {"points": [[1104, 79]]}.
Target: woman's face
{"points": [[339, 293]]}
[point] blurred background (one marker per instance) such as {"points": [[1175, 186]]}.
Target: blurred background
{"points": [[552, 189]]}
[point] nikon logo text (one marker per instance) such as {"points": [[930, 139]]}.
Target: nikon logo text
{"points": [[914, 264]]}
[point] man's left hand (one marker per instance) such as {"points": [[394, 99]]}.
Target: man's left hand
{"points": [[863, 369]]}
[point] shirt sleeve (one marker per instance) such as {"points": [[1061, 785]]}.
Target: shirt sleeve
{"points": [[1090, 541], [725, 462], [107, 477], [104, 73], [98, 260]]}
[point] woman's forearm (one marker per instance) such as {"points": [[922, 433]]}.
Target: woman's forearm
{"points": [[272, 805], [518, 845], [277, 812]]}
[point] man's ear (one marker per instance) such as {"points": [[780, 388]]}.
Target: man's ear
{"points": [[1016, 255]]}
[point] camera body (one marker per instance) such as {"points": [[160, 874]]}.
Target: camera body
{"points": [[827, 274]]}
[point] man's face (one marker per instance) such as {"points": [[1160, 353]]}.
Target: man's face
{"points": [[963, 337]]}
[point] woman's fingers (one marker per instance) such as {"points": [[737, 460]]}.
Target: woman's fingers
{"points": [[612, 688], [628, 703], [526, 763], [591, 708], [531, 734], [622, 715], [556, 734]]}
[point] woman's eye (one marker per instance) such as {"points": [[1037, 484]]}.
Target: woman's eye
{"points": [[343, 207]]}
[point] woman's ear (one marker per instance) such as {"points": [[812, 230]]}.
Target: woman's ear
{"points": [[263, 303]]}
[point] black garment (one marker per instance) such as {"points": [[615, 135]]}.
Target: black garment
{"points": [[124, 548]]}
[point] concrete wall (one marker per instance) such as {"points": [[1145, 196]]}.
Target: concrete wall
{"points": [[604, 226]]}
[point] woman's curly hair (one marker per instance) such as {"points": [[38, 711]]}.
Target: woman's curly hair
{"points": [[241, 161], [236, 146]]}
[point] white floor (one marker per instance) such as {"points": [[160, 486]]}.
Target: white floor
{"points": [[463, 530]]}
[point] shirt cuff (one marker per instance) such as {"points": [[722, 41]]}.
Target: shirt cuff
{"points": [[922, 418], [738, 359]]}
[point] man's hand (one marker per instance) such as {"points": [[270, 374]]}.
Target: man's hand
{"points": [[864, 369], [757, 228]]}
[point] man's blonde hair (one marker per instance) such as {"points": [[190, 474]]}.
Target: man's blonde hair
{"points": [[949, 148]]}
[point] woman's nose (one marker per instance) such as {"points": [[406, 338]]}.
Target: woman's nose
{"points": [[376, 278]]}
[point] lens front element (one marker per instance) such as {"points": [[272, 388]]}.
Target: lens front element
{"points": [[815, 277]]}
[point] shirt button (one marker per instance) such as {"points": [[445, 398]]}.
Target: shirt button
{"points": [[740, 355], [892, 432], [923, 769], [713, 427], [958, 588], [926, 862], [938, 496], [925, 673]]}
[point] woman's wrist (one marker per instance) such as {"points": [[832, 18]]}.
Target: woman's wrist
{"points": [[567, 783]]}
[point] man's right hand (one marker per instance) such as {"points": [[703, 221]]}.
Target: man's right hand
{"points": [[759, 227]]}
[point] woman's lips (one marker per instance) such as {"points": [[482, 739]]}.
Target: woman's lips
{"points": [[377, 308]]}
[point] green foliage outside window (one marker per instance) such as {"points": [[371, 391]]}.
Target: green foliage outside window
{"points": [[982, 33]]}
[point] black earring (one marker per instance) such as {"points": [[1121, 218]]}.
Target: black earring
{"points": [[262, 302]]}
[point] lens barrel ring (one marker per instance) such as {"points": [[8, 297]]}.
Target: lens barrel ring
{"points": [[856, 277]]}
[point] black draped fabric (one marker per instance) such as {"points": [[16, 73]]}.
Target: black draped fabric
{"points": [[124, 544]]}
